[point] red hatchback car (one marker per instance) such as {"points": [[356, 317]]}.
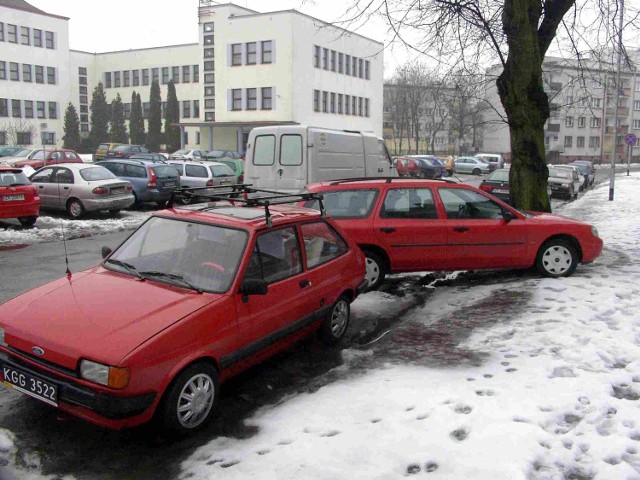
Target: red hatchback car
{"points": [[405, 225], [18, 198], [192, 297], [50, 157]]}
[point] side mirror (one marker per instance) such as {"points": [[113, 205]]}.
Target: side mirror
{"points": [[106, 251], [508, 215], [252, 286]]}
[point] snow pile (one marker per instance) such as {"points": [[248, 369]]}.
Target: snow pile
{"points": [[530, 378]]}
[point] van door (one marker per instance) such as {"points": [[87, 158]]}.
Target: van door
{"points": [[291, 174], [260, 166]]}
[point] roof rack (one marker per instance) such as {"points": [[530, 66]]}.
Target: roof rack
{"points": [[388, 179], [240, 193]]}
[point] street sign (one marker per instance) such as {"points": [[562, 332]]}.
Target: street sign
{"points": [[630, 139]]}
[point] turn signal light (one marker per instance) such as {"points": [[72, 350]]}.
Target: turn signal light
{"points": [[118, 377]]}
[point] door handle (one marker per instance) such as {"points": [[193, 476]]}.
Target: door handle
{"points": [[460, 229], [304, 283], [40, 187], [387, 229], [66, 188]]}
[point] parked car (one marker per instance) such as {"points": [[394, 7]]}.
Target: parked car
{"points": [[186, 154], [81, 188], [18, 198], [472, 165], [103, 149], [150, 157], [236, 165], [19, 155], [126, 151], [8, 151], [216, 155], [491, 158], [202, 174], [581, 177], [588, 173], [591, 171], [428, 166], [497, 184], [564, 182], [152, 182], [408, 225], [194, 297], [49, 157]]}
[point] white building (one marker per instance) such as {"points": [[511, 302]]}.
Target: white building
{"points": [[582, 100], [247, 69]]}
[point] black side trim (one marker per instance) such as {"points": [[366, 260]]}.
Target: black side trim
{"points": [[455, 244], [265, 342]]}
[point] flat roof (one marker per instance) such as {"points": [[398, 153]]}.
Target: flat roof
{"points": [[235, 124], [136, 49], [27, 7]]}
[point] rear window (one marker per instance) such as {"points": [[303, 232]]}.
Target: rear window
{"points": [[103, 146], [291, 150], [96, 173], [121, 148], [499, 176], [264, 151], [165, 171], [347, 203], [221, 170], [13, 178], [179, 167], [196, 171]]}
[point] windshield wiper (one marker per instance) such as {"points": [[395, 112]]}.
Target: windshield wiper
{"points": [[128, 267], [171, 276]]}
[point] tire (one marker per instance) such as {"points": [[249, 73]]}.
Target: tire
{"points": [[376, 269], [75, 209], [162, 203], [476, 171], [336, 322], [557, 258], [136, 203], [575, 194], [182, 416], [114, 212], [28, 221]]}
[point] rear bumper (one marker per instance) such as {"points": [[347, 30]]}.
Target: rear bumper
{"points": [[31, 209], [154, 195], [109, 203]]}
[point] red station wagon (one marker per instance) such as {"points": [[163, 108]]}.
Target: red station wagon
{"points": [[405, 225], [18, 198], [192, 297], [52, 157]]}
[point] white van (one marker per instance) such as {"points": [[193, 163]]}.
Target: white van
{"points": [[491, 158], [287, 157]]}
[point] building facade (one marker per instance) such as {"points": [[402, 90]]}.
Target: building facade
{"points": [[248, 69]]}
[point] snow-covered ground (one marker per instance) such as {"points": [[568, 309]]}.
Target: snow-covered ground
{"points": [[543, 385]]}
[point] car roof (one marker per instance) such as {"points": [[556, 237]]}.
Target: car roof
{"points": [[129, 161], [394, 182], [194, 162], [73, 166]]}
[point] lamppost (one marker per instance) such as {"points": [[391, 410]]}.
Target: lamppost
{"points": [[612, 178]]}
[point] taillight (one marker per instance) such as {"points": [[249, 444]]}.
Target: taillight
{"points": [[486, 188], [119, 154], [210, 183], [100, 191], [129, 187], [152, 178], [241, 178]]}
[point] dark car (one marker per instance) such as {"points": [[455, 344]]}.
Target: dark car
{"points": [[126, 151], [587, 169], [428, 167], [497, 184]]}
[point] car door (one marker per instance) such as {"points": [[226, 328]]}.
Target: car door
{"points": [[478, 235], [264, 319], [409, 226], [63, 182], [46, 191]]}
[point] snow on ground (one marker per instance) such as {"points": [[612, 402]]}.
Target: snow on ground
{"points": [[555, 394]]}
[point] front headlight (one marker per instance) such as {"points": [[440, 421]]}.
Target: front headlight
{"points": [[2, 337], [566, 185], [594, 231], [113, 377]]}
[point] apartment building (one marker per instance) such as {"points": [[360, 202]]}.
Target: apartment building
{"points": [[582, 99], [247, 69]]}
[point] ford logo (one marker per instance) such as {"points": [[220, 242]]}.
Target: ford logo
{"points": [[37, 350]]}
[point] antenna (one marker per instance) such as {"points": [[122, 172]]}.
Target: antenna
{"points": [[64, 240]]}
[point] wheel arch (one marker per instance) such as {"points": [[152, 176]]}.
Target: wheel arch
{"points": [[381, 252], [178, 369], [562, 236]]}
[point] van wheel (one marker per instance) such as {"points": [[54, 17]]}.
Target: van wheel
{"points": [[376, 269], [336, 322], [75, 209]]}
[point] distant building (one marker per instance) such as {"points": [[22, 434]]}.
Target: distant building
{"points": [[247, 69]]}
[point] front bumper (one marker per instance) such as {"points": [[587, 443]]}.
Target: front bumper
{"points": [[108, 203]]}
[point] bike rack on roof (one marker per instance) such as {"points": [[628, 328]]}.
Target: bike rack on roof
{"points": [[240, 193], [388, 180]]}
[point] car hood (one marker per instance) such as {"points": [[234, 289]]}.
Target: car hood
{"points": [[548, 218], [96, 313]]}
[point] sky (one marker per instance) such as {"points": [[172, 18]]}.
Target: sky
{"points": [[119, 26], [555, 392]]}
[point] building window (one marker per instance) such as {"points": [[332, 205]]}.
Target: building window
{"points": [[208, 27], [23, 138], [209, 78], [325, 102], [40, 110], [196, 109], [145, 76], [136, 77], [347, 65], [354, 66], [49, 40], [251, 53], [28, 109], [82, 70], [37, 37], [208, 40], [636, 124], [84, 118], [340, 62], [83, 99], [175, 74], [209, 66], [568, 141], [126, 78], [332, 104], [252, 98], [354, 104], [83, 90], [155, 75], [116, 79], [597, 81], [267, 99], [359, 106], [84, 109], [340, 98], [146, 107], [107, 79], [186, 74], [186, 109], [26, 72], [267, 53], [53, 110], [196, 73], [580, 142], [581, 122], [4, 107], [16, 108], [210, 103], [366, 107], [40, 74], [316, 100], [594, 142], [25, 36], [209, 91], [209, 53], [325, 59], [333, 60], [14, 73], [597, 102], [636, 103], [3, 70], [360, 68], [367, 74], [165, 75], [316, 56], [48, 138], [236, 99], [595, 122], [236, 54], [84, 127], [82, 81], [1, 33], [12, 33], [568, 122], [347, 104], [209, 116]]}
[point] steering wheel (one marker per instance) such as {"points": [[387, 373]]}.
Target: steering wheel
{"points": [[213, 265], [463, 211]]}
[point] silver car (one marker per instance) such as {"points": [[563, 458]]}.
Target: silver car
{"points": [[79, 188], [471, 165], [203, 174]]}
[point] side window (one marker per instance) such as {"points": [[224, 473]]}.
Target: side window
{"points": [[347, 203], [43, 176], [179, 168], [116, 168], [276, 256], [196, 171], [321, 243], [409, 203], [63, 175], [463, 203], [291, 150], [264, 150], [135, 171]]}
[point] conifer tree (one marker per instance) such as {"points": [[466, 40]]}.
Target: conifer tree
{"points": [[141, 129], [134, 122], [171, 117], [117, 128], [71, 136], [154, 135], [99, 117]]}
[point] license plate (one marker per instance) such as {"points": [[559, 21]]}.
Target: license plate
{"points": [[169, 184], [26, 383], [117, 190], [225, 182], [500, 190], [12, 198]]}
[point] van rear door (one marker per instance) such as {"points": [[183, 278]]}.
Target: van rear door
{"points": [[260, 165], [291, 174]]}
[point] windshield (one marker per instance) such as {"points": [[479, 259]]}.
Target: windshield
{"points": [[96, 173], [181, 152], [206, 257], [560, 173]]}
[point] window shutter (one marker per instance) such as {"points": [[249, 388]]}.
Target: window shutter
{"points": [[229, 100], [273, 98], [273, 51], [243, 53], [245, 99], [229, 55]]}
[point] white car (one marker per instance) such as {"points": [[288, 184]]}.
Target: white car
{"points": [[188, 155], [26, 154], [198, 174]]}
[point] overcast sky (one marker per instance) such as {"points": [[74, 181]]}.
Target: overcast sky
{"points": [[124, 24]]}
